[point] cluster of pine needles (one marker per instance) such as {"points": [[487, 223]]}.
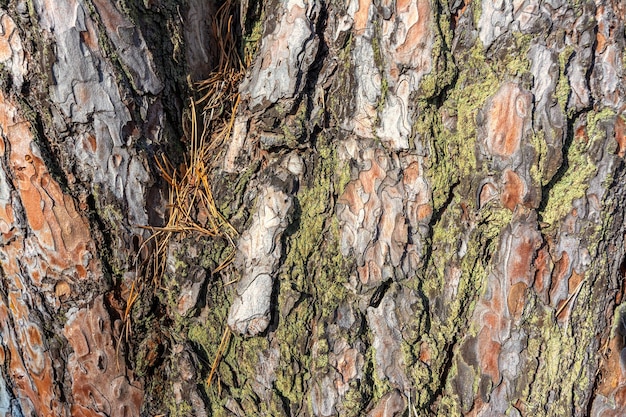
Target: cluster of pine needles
{"points": [[210, 124]]}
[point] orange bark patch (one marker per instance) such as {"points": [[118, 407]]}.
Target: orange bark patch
{"points": [[369, 273], [82, 93], [496, 304], [424, 211], [459, 13], [98, 381], [61, 231], [517, 299], [600, 38], [491, 320], [416, 17], [620, 402], [6, 221], [351, 197], [559, 273], [34, 336], [520, 261], [514, 190], [110, 16], [388, 221], [348, 366], [91, 139], [8, 27], [581, 133], [89, 36], [542, 272], [425, 353], [411, 173], [612, 375], [371, 178], [477, 408], [489, 353], [370, 181], [62, 289], [565, 305], [418, 207], [620, 136], [30, 366], [574, 281], [361, 16], [507, 116]]}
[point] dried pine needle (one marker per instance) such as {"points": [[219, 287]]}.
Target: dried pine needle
{"points": [[211, 120]]}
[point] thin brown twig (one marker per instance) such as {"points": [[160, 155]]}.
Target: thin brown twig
{"points": [[218, 355]]}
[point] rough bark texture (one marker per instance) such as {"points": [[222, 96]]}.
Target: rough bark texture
{"points": [[428, 197]]}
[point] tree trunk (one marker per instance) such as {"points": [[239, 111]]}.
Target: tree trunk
{"points": [[377, 208]]}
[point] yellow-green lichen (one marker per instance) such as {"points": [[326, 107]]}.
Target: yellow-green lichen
{"points": [[312, 276], [443, 70], [384, 91], [453, 171], [354, 400], [537, 169], [563, 347], [563, 88], [575, 181], [425, 377], [252, 37], [449, 406], [453, 153], [517, 63], [379, 385], [618, 319], [379, 60], [594, 119], [445, 235], [182, 409], [343, 177], [477, 12]]}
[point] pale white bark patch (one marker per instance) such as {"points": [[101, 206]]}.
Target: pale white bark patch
{"points": [[258, 258]]}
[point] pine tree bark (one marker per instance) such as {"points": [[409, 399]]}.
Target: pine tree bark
{"points": [[428, 200]]}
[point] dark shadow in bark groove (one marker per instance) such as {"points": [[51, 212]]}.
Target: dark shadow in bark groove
{"points": [[252, 15], [104, 243], [158, 34], [320, 57], [379, 293], [436, 217], [51, 157], [284, 402]]}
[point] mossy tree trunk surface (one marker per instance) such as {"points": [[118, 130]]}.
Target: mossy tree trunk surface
{"points": [[417, 208]]}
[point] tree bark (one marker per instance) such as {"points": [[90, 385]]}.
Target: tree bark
{"points": [[404, 208]]}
